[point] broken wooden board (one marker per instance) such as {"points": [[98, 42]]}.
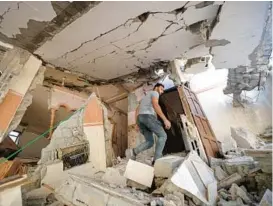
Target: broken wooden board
{"points": [[10, 168]]}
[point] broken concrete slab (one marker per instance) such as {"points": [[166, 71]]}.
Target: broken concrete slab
{"points": [[263, 156], [220, 173], [54, 174], [241, 165], [165, 166], [193, 178], [113, 176], [267, 199], [140, 173], [228, 181], [214, 162], [244, 138], [85, 191], [236, 191], [133, 184]]}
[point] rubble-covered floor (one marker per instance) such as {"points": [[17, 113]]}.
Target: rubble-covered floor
{"points": [[241, 177]]}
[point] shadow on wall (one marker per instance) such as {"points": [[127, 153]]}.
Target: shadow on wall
{"points": [[34, 151], [254, 115]]}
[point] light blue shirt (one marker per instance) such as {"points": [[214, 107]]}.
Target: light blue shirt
{"points": [[146, 105]]}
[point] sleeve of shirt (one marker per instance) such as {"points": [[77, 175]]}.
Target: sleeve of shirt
{"points": [[155, 94]]}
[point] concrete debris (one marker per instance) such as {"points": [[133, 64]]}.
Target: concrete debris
{"points": [[264, 158], [244, 138], [267, 199], [214, 162], [228, 181], [192, 178], [236, 191], [165, 166], [140, 173], [40, 196], [87, 191], [136, 185], [54, 174], [113, 176], [241, 165], [220, 173]]}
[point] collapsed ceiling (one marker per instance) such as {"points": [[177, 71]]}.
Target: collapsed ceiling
{"points": [[108, 42]]}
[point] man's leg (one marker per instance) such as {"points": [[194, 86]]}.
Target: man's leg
{"points": [[147, 144], [156, 127]]}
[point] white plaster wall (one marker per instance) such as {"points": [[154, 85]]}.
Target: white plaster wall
{"points": [[222, 115], [11, 197]]}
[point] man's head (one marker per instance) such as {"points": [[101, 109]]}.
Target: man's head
{"points": [[159, 88]]}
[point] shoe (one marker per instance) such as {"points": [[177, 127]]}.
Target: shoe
{"points": [[130, 154]]}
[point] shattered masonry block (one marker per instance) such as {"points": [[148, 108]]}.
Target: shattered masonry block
{"points": [[244, 138], [113, 176], [220, 173], [228, 181], [165, 166], [241, 165], [140, 173], [236, 191]]}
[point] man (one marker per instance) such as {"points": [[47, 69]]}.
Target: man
{"points": [[148, 124]]}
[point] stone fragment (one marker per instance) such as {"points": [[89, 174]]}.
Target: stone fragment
{"points": [[263, 156], [113, 176], [140, 173], [192, 178], [214, 162], [54, 174], [228, 181], [220, 173], [267, 199], [236, 191], [136, 185], [241, 165], [244, 138], [165, 166]]}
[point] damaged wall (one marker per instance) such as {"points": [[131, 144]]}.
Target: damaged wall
{"points": [[17, 89], [253, 114]]}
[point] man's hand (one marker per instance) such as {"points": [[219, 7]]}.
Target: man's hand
{"points": [[167, 124]]}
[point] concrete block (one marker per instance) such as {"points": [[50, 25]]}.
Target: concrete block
{"points": [[244, 138], [236, 191], [267, 198], [113, 176], [54, 174], [193, 177], [140, 173], [220, 173], [212, 193], [228, 181], [165, 166]]}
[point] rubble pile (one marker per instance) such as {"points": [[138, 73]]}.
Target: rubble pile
{"points": [[243, 176]]}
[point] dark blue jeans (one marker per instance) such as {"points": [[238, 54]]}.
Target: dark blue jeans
{"points": [[149, 124]]}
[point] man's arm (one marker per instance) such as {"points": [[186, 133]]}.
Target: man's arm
{"points": [[158, 110]]}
